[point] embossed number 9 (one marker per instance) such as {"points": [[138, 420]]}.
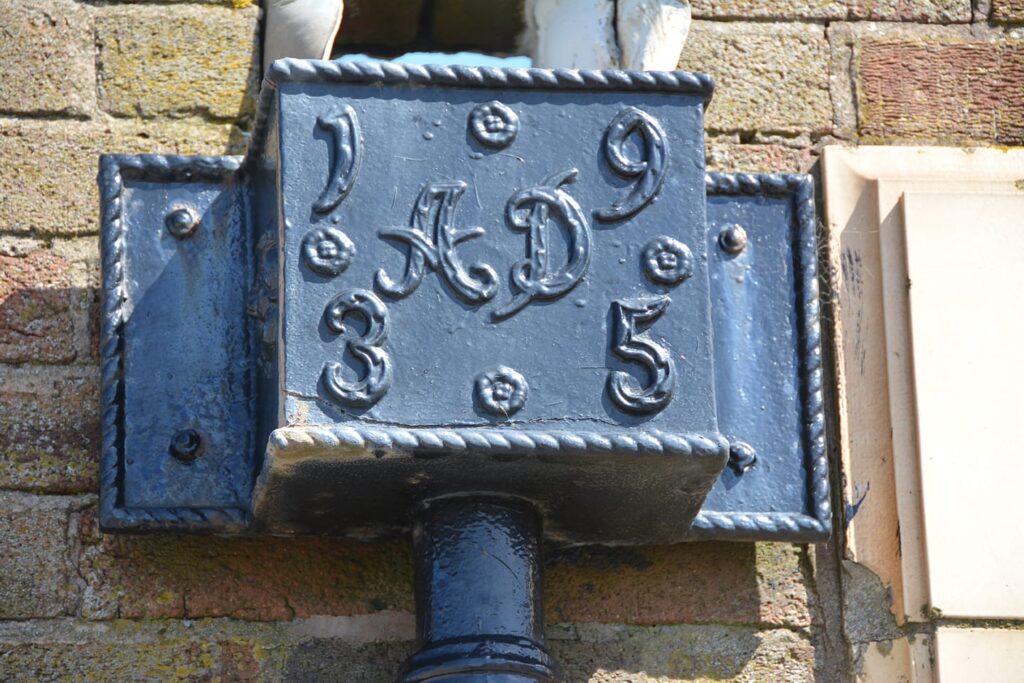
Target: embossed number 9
{"points": [[635, 347], [649, 171], [368, 348]]}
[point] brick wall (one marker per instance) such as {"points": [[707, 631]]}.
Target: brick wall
{"points": [[176, 76]]}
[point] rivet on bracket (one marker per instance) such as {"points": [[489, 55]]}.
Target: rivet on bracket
{"points": [[741, 456], [733, 239], [186, 445], [182, 223]]}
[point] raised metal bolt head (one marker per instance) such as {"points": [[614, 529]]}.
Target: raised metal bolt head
{"points": [[733, 239], [741, 456], [186, 445], [181, 223]]}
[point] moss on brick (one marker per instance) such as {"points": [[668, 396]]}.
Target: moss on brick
{"points": [[770, 77], [49, 429], [248, 578], [177, 61], [48, 181]]}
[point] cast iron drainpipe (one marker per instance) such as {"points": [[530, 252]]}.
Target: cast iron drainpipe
{"points": [[479, 617]]}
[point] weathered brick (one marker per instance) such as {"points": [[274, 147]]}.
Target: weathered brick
{"points": [[47, 54], [1008, 11], [177, 60], [771, 77], [703, 582], [625, 654], [769, 9], [751, 158], [248, 578], [386, 23], [34, 567], [49, 429], [331, 660], [48, 168], [940, 86], [68, 650], [48, 299], [236, 4], [470, 24], [933, 11]]}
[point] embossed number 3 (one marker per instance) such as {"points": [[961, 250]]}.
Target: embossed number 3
{"points": [[635, 347], [367, 348]]}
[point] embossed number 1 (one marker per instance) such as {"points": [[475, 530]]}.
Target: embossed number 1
{"points": [[636, 347]]}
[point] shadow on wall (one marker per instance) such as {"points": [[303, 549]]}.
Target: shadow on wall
{"points": [[691, 611], [623, 615]]}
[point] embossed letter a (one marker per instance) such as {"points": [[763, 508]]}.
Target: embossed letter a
{"points": [[439, 199]]}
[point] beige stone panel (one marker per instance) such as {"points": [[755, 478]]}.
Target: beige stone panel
{"points": [[963, 254], [906, 660], [985, 655], [877, 426]]}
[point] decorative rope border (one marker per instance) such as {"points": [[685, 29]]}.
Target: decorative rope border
{"points": [[787, 526], [287, 439], [306, 70], [114, 170], [318, 71]]}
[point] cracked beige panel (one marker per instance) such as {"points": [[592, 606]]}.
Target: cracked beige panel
{"points": [[904, 660], [868, 192]]}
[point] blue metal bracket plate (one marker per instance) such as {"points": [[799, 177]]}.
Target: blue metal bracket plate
{"points": [[513, 282]]}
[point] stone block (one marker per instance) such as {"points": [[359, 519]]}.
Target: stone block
{"points": [[934, 11], [689, 583], [384, 23], [177, 60], [470, 24], [48, 183], [769, 9], [34, 564], [1008, 11], [263, 578], [235, 4], [48, 300], [333, 660], [944, 86], [49, 429], [127, 651], [771, 77], [923, 11], [757, 158], [631, 654], [47, 56]]}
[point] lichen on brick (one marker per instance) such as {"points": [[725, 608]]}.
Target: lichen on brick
{"points": [[769, 77], [48, 183], [177, 61], [248, 578]]}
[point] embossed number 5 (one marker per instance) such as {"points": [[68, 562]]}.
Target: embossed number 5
{"points": [[367, 348], [635, 347]]}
